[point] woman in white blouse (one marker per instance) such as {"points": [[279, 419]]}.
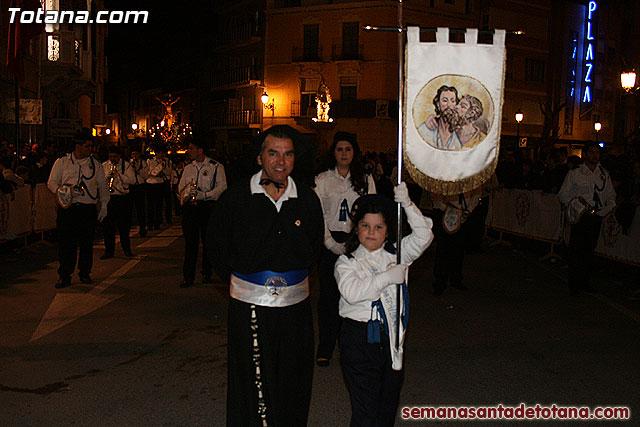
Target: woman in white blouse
{"points": [[337, 188]]}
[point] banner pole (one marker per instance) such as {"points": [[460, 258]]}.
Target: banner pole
{"points": [[400, 42]]}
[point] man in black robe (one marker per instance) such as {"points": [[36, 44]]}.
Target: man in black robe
{"points": [[267, 236]]}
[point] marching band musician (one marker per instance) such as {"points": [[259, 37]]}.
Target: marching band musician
{"points": [[119, 176], [450, 237], [591, 183], [158, 184], [202, 182], [138, 188], [454, 219], [76, 224]]}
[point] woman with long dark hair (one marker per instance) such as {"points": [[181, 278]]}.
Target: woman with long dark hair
{"points": [[338, 187]]}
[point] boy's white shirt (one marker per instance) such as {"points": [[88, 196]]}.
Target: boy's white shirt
{"points": [[358, 281]]}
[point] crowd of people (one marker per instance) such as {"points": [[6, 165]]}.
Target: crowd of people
{"points": [[264, 229]]}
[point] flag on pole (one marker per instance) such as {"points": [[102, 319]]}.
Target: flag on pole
{"points": [[454, 94], [19, 35]]}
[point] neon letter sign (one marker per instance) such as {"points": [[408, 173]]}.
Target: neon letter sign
{"points": [[589, 51]]}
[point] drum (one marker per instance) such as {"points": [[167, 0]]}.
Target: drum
{"points": [[452, 219]]}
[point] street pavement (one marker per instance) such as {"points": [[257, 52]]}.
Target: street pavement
{"points": [[135, 349]]}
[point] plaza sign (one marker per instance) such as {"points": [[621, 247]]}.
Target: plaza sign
{"points": [[589, 48]]}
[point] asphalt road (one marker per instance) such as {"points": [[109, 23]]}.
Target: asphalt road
{"points": [[137, 350]]}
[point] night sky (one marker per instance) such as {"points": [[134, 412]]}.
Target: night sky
{"points": [[159, 53]]}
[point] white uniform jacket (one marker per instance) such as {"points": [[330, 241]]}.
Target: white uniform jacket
{"points": [[87, 171], [584, 182], [357, 276], [122, 178], [333, 189], [209, 177]]}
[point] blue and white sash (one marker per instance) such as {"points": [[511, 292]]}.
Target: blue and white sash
{"points": [[270, 288], [384, 318]]}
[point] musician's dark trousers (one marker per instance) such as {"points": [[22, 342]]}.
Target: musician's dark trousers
{"points": [[167, 201], [118, 215], [449, 254], [374, 388], [154, 205], [177, 209], [76, 227], [194, 227], [582, 243], [285, 342], [138, 195]]}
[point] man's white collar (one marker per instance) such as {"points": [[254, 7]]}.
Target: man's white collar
{"points": [[256, 188]]}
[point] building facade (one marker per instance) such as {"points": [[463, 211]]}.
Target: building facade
{"points": [[66, 68], [311, 43]]}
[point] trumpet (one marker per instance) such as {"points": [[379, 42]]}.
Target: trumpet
{"points": [[112, 177], [194, 190], [189, 194]]}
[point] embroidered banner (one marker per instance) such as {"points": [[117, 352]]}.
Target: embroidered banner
{"points": [[453, 111]]}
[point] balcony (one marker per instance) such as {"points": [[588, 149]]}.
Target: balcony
{"points": [[306, 55], [236, 35], [353, 54], [310, 111], [350, 109], [236, 119], [234, 77]]}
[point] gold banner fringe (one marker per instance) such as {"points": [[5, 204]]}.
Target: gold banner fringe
{"points": [[448, 188]]}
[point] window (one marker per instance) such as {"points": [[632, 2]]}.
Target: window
{"points": [[94, 11], [53, 47], [310, 42], [308, 89], [308, 104], [77, 53], [534, 70], [348, 88], [350, 33]]}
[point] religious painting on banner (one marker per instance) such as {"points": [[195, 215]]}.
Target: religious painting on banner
{"points": [[453, 95]]}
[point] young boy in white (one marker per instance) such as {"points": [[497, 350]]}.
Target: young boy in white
{"points": [[367, 276]]}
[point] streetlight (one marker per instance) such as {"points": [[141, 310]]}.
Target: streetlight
{"points": [[597, 126], [628, 80], [268, 105], [519, 117], [134, 126]]}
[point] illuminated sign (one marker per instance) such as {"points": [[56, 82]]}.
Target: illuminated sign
{"points": [[589, 52], [572, 66]]}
